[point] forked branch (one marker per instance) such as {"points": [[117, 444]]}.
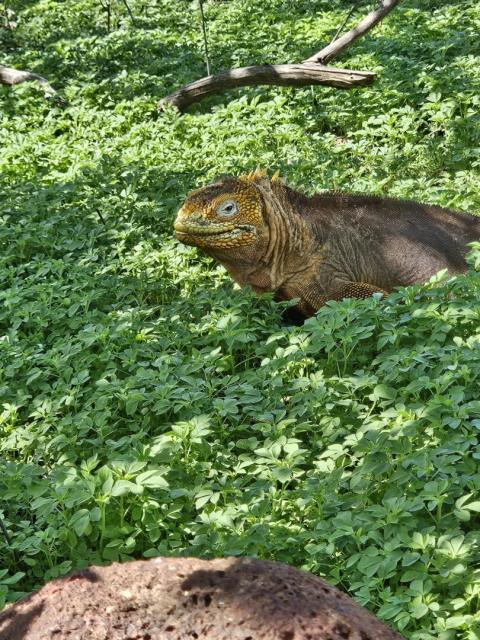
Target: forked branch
{"points": [[339, 45], [306, 73]]}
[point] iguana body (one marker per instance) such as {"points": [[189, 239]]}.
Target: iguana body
{"points": [[324, 247]]}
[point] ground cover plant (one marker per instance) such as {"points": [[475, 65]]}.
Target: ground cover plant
{"points": [[148, 407]]}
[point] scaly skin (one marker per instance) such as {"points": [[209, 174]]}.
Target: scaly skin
{"points": [[324, 247]]}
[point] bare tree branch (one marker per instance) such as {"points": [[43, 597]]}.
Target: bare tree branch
{"points": [[297, 75], [369, 21], [15, 76], [308, 72]]}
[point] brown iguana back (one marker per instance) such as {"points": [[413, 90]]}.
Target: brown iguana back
{"points": [[328, 246]]}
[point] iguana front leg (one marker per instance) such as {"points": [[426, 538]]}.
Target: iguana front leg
{"points": [[311, 299], [358, 290]]}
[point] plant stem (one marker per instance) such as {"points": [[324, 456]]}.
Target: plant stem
{"points": [[5, 533], [205, 39]]}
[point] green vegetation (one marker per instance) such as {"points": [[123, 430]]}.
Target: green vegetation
{"points": [[148, 407]]}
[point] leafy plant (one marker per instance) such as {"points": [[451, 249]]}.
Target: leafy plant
{"points": [[148, 406]]}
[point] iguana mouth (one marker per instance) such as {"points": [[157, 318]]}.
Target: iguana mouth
{"points": [[218, 230], [216, 236]]}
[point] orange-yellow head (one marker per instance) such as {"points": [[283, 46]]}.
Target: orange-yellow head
{"points": [[223, 215]]}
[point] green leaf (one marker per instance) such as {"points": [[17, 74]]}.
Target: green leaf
{"points": [[80, 521], [153, 478], [410, 558], [418, 610], [124, 487], [369, 564], [472, 506], [383, 391], [389, 610], [12, 579]]}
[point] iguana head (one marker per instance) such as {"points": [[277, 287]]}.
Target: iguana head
{"points": [[222, 216], [250, 225]]}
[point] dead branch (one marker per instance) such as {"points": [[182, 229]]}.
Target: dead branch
{"points": [[16, 76], [369, 21], [296, 75]]}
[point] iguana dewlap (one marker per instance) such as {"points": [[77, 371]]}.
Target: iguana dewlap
{"points": [[329, 246]]}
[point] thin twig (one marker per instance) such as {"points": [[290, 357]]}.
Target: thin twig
{"points": [[102, 219], [342, 26], [5, 533], [108, 8], [132, 17], [205, 39]]}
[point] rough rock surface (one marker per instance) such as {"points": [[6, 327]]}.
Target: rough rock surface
{"points": [[187, 598]]}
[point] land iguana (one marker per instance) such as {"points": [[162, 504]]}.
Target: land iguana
{"points": [[325, 247]]}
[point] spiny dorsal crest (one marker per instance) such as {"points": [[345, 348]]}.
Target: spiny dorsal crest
{"points": [[261, 173]]}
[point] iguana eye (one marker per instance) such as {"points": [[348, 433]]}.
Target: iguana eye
{"points": [[227, 209]]}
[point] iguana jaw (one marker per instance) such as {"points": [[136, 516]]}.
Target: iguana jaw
{"points": [[214, 235]]}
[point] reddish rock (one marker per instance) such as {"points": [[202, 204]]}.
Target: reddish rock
{"points": [[187, 598]]}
